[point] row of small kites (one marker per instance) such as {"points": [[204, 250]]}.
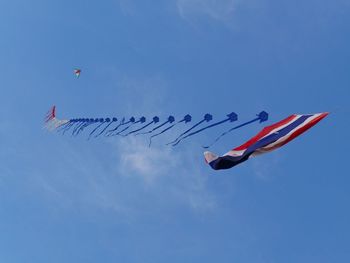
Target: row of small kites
{"points": [[268, 139], [141, 126]]}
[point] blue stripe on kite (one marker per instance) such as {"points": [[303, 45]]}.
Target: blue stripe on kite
{"points": [[280, 133]]}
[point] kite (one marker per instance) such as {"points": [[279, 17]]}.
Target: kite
{"points": [[268, 139], [141, 120], [102, 121], [101, 125], [122, 122], [170, 119], [81, 124], [154, 120], [207, 117], [105, 128], [230, 117], [77, 72], [185, 119]]}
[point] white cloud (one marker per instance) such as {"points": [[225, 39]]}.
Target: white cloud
{"points": [[164, 167], [148, 162]]}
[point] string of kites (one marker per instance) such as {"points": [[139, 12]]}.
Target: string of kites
{"points": [[132, 126], [268, 139]]}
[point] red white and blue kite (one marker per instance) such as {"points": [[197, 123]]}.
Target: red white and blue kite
{"points": [[269, 139], [77, 72]]}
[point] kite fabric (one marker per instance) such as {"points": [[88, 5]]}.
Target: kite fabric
{"points": [[268, 139]]}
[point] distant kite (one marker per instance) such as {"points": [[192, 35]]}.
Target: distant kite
{"points": [[77, 72], [105, 125], [269, 139]]}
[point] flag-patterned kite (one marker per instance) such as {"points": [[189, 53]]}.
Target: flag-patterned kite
{"points": [[269, 139]]}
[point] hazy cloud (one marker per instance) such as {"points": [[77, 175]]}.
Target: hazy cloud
{"points": [[215, 9], [264, 166]]}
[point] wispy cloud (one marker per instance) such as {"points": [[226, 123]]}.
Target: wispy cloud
{"points": [[130, 180], [163, 167], [264, 166], [215, 9], [127, 7], [146, 162], [129, 177]]}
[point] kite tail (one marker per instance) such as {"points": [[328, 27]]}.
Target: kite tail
{"points": [[145, 126], [119, 133], [110, 132], [224, 133], [104, 129], [159, 126], [200, 130], [194, 126], [82, 127], [77, 128], [102, 121], [63, 126], [155, 135], [67, 127]]}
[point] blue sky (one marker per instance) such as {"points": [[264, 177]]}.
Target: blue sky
{"points": [[65, 199]]}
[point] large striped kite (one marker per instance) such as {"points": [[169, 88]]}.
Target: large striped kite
{"points": [[269, 139]]}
